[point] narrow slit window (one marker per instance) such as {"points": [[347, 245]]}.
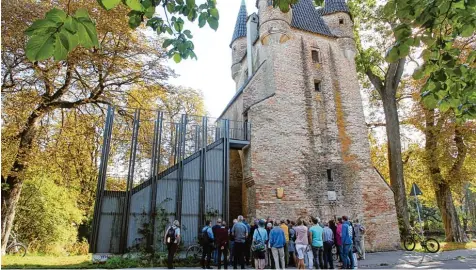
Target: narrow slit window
{"points": [[315, 56], [329, 175], [341, 21], [317, 86]]}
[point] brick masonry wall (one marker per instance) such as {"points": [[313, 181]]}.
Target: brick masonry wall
{"points": [[299, 133]]}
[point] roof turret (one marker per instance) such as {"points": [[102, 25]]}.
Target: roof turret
{"points": [[333, 6], [240, 26]]}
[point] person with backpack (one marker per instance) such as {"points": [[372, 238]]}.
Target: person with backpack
{"points": [[240, 233], [260, 239], [215, 250], [172, 240], [221, 243], [207, 239], [277, 241], [292, 243]]}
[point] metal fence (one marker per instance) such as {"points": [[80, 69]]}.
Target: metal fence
{"points": [[156, 168]]}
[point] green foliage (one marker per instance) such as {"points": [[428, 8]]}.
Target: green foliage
{"points": [[438, 27], [47, 215], [60, 33]]}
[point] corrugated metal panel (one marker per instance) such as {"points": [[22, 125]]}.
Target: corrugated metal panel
{"points": [[110, 225], [191, 186], [166, 194], [139, 214], [214, 183]]}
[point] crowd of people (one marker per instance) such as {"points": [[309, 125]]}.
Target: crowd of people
{"points": [[276, 244]]}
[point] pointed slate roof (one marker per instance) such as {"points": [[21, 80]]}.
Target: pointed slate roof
{"points": [[240, 26], [307, 18], [333, 6]]}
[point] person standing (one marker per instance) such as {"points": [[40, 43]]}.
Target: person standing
{"points": [[269, 254], [207, 244], [359, 231], [249, 239], [260, 239], [215, 250], [285, 229], [292, 243], [232, 242], [172, 240], [221, 243], [302, 242], [339, 239], [317, 243], [240, 233], [328, 241], [277, 242], [347, 258]]}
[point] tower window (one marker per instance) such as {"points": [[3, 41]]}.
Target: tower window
{"points": [[329, 175], [315, 56], [317, 86], [341, 21]]}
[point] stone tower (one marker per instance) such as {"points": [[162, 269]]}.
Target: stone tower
{"points": [[296, 82]]}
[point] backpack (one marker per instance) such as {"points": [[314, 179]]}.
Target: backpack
{"points": [[204, 238], [258, 245], [170, 237]]}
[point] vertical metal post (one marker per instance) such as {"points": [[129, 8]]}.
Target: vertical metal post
{"points": [[102, 171], [226, 161], [181, 155], [418, 208], [197, 138], [203, 171], [177, 127], [130, 180], [155, 163]]}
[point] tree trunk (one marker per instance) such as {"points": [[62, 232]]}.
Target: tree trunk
{"points": [[395, 162], [15, 178], [453, 230]]}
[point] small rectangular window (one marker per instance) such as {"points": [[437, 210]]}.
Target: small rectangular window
{"points": [[329, 175], [341, 21], [317, 86], [315, 56]]}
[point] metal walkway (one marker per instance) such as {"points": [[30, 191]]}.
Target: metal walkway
{"points": [[156, 168]]}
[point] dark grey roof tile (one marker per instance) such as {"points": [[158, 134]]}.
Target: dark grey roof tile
{"points": [[240, 26], [307, 18]]}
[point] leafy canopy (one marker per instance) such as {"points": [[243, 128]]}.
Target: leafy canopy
{"points": [[60, 32], [436, 26]]}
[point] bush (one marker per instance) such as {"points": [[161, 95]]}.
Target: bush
{"points": [[47, 215]]}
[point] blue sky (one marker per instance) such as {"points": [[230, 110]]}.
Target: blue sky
{"points": [[211, 72]]}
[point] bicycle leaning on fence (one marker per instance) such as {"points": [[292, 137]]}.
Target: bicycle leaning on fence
{"points": [[15, 247], [430, 244]]}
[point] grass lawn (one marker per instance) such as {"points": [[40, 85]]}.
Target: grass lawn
{"points": [[40, 261]]}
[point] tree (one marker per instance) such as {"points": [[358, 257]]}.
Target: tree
{"points": [[88, 76], [436, 26]]}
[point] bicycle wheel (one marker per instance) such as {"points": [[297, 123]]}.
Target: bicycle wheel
{"points": [[409, 243], [194, 253], [335, 256], [17, 250], [432, 245]]}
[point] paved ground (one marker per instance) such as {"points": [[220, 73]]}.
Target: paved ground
{"points": [[460, 259]]}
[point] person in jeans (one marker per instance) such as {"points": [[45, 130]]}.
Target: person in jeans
{"points": [[249, 239], [260, 235], [347, 257], [232, 242], [339, 239], [292, 244], [285, 229], [269, 253], [240, 233], [172, 240], [207, 244], [317, 243], [221, 243], [277, 241], [328, 241], [359, 230], [302, 243], [215, 251]]}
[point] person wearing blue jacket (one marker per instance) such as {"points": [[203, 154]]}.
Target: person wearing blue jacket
{"points": [[207, 244], [348, 261], [277, 241]]}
